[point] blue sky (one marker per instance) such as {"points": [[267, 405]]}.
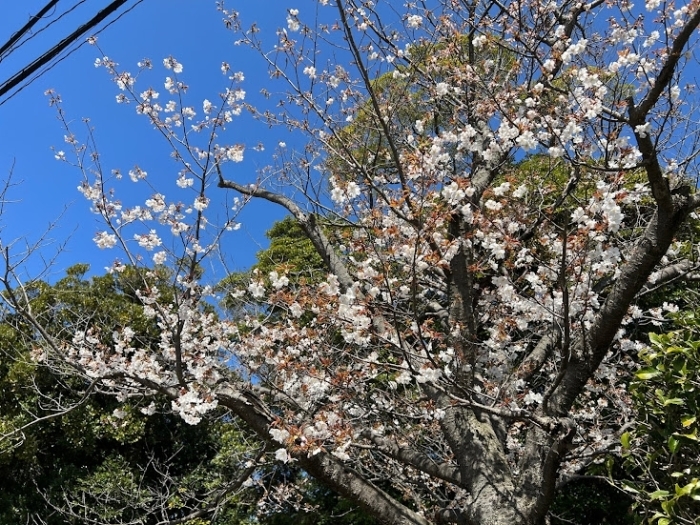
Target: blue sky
{"points": [[191, 31]]}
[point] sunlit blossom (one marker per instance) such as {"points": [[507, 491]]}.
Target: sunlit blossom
{"points": [[105, 240]]}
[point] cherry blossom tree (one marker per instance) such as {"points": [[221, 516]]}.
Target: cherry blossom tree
{"points": [[468, 349]]}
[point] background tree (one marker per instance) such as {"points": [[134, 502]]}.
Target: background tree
{"points": [[289, 253], [71, 457], [663, 447]]}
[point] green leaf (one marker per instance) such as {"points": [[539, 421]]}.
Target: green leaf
{"points": [[659, 494], [628, 487], [674, 401], [673, 444], [647, 373], [684, 491], [668, 505], [626, 440], [688, 420], [656, 339]]}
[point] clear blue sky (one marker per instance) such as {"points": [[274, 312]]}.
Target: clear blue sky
{"points": [[191, 31]]}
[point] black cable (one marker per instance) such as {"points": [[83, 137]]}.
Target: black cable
{"points": [[33, 20], [52, 53]]}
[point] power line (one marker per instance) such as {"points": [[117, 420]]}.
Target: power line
{"points": [[56, 50]]}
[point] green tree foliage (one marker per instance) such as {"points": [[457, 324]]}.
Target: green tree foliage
{"points": [[662, 450], [405, 98], [290, 252], [69, 458], [290, 249]]}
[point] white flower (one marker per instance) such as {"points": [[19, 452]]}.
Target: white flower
{"points": [[675, 93], [279, 435], [292, 21], [548, 65], [277, 281], [256, 289], [149, 410], [643, 129], [403, 378], [670, 307], [352, 190], [191, 406], [171, 63], [442, 89], [105, 240], [160, 257], [527, 141], [520, 192], [493, 205], [452, 193], [137, 174], [282, 455], [556, 151], [653, 37], [201, 203], [148, 240], [124, 80], [310, 71], [500, 191], [156, 203], [295, 309], [184, 182], [415, 21], [428, 375], [573, 50], [531, 398], [479, 41], [235, 153]]}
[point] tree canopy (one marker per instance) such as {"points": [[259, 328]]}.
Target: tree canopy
{"points": [[70, 454]]}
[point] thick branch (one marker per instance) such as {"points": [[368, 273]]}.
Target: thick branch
{"points": [[414, 458], [660, 188], [325, 467], [590, 347], [483, 467], [665, 76], [682, 270], [352, 485], [535, 359], [638, 115], [307, 221]]}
